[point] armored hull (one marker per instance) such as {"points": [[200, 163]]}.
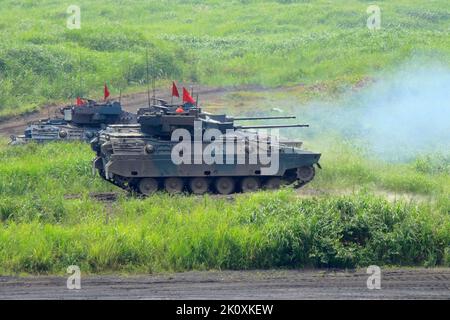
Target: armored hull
{"points": [[45, 132], [150, 156]]}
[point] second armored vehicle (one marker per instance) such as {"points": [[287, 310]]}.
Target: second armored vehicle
{"points": [[79, 122]]}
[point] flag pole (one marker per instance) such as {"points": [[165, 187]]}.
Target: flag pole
{"points": [[80, 93]]}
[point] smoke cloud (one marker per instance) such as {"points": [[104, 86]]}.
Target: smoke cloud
{"points": [[398, 117]]}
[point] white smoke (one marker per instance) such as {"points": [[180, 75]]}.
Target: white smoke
{"points": [[398, 117]]}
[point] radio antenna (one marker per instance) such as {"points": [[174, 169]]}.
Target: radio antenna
{"points": [[153, 80], [148, 80]]}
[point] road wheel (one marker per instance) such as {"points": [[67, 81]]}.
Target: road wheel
{"points": [[224, 185], [62, 134], [199, 185], [273, 183], [306, 173], [174, 185], [148, 186], [250, 184]]}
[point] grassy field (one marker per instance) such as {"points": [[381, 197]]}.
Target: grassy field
{"points": [[347, 222], [365, 207], [206, 42]]}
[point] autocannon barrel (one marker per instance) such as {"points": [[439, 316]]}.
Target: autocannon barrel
{"points": [[272, 126], [264, 118]]}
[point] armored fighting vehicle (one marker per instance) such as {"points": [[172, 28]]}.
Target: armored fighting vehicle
{"points": [[194, 151], [79, 122]]}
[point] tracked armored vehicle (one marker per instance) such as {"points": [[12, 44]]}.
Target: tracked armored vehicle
{"points": [[79, 122], [198, 152]]}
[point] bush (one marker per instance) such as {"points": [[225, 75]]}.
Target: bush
{"points": [[257, 231]]}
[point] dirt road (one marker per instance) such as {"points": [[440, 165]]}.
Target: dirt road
{"points": [[280, 284]]}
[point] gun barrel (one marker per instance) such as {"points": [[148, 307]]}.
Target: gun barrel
{"points": [[264, 118], [272, 126]]}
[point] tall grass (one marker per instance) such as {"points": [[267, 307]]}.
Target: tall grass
{"points": [[43, 232], [208, 42], [266, 230]]}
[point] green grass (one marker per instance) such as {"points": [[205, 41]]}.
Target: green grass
{"points": [[259, 231], [347, 168], [358, 211], [208, 42], [42, 232]]}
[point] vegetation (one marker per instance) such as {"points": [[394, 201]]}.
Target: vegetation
{"points": [[358, 211], [277, 42], [43, 229]]}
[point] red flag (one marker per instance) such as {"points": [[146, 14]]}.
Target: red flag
{"points": [[175, 92], [106, 92], [187, 97], [80, 101]]}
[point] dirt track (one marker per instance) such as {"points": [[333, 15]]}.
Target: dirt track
{"points": [[283, 284]]}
